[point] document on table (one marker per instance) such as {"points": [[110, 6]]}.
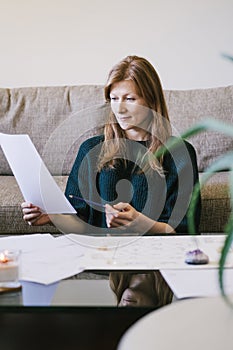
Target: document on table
{"points": [[51, 265], [197, 282], [26, 243], [148, 252], [45, 259], [35, 181]]}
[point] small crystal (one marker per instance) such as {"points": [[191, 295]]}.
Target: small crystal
{"points": [[196, 257]]}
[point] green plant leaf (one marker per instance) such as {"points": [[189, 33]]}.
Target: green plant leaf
{"points": [[227, 245], [222, 163], [227, 56], [211, 125], [205, 125], [226, 248]]}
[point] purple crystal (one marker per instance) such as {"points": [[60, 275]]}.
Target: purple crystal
{"points": [[196, 257]]}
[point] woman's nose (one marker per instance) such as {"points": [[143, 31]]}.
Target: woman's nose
{"points": [[121, 107]]}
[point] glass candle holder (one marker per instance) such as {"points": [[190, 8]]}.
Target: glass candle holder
{"points": [[9, 269]]}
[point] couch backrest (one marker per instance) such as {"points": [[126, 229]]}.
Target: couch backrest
{"points": [[187, 108], [59, 118]]}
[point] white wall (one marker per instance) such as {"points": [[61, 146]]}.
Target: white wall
{"points": [[69, 42]]}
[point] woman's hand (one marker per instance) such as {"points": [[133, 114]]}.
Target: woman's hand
{"points": [[120, 215], [124, 216], [33, 215]]}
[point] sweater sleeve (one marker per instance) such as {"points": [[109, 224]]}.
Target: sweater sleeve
{"points": [[181, 171], [74, 183], [81, 180]]}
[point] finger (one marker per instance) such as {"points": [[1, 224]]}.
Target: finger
{"points": [[110, 210], [119, 226], [120, 222], [31, 210], [26, 205], [122, 206], [120, 216], [117, 221], [32, 221], [31, 217], [111, 219]]}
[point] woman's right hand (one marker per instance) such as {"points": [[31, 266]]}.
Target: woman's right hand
{"points": [[33, 215]]}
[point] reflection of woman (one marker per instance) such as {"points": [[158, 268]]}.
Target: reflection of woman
{"points": [[140, 289], [119, 168]]}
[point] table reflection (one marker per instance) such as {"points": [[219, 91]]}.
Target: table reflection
{"points": [[118, 289]]}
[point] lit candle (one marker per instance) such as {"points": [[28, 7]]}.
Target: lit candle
{"points": [[9, 266]]}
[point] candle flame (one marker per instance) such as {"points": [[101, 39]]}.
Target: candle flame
{"points": [[3, 258]]}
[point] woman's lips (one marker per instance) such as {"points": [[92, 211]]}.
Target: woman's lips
{"points": [[123, 118], [128, 298], [128, 302]]}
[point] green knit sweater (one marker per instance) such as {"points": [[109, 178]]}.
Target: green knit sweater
{"points": [[162, 198]]}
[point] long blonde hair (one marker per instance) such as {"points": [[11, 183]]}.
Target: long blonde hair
{"points": [[148, 86]]}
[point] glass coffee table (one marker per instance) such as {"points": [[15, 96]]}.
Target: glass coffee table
{"points": [[69, 292], [77, 313]]}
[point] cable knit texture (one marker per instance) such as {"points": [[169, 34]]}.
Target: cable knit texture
{"points": [[164, 199]]}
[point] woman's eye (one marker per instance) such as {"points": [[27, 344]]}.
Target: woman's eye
{"points": [[113, 98], [130, 99]]}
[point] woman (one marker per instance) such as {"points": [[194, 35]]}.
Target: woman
{"points": [[139, 191]]}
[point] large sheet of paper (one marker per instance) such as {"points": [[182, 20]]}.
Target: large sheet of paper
{"points": [[46, 259], [148, 252], [35, 181]]}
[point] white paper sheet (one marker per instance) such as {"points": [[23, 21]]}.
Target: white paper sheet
{"points": [[148, 253], [35, 182], [51, 265], [46, 259], [27, 243], [198, 283]]}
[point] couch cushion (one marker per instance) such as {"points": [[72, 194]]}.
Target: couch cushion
{"points": [[188, 107], [215, 203]]}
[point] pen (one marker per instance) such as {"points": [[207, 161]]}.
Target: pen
{"points": [[87, 201], [91, 202]]}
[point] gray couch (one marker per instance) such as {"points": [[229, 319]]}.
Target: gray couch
{"points": [[58, 119]]}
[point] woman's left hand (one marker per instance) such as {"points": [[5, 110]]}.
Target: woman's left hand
{"points": [[120, 215]]}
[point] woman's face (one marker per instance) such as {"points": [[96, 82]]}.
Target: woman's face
{"points": [[140, 292], [130, 109]]}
